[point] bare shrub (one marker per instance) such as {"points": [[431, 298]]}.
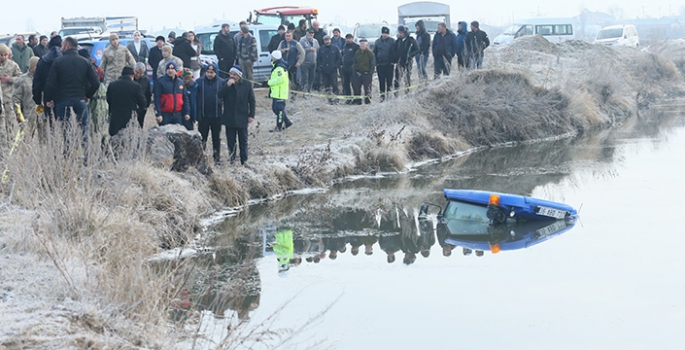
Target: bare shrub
{"points": [[312, 165]]}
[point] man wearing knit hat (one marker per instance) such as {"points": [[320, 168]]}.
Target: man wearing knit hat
{"points": [[156, 55], [279, 88], [384, 50], [114, 58], [124, 97], [247, 52], [209, 108], [171, 103], [474, 46], [9, 73], [42, 47], [167, 57], [239, 111], [329, 60], [23, 96]]}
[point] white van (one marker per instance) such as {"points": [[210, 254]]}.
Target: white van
{"points": [[555, 30], [618, 35], [261, 32]]}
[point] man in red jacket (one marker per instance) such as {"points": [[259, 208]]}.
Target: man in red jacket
{"points": [[171, 104]]}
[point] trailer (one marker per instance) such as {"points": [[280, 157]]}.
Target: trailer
{"points": [[431, 13], [284, 15]]}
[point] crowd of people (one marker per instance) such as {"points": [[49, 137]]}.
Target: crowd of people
{"points": [[49, 77]]}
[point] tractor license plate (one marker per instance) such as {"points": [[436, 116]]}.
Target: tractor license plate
{"points": [[552, 213]]}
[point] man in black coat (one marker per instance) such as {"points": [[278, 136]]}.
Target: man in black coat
{"points": [[239, 111], [384, 50], [225, 50], [444, 48], [70, 83], [276, 39], [348, 52], [475, 44], [328, 61], [141, 78], [184, 50], [156, 55], [423, 39], [125, 98], [406, 48]]}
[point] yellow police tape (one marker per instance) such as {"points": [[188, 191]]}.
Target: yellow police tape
{"points": [[17, 140], [343, 97]]}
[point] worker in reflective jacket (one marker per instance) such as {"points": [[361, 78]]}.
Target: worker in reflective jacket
{"points": [[279, 89], [171, 104]]}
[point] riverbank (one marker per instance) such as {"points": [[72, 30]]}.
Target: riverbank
{"points": [[74, 239]]}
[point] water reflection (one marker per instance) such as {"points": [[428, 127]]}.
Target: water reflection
{"points": [[377, 218], [478, 236]]}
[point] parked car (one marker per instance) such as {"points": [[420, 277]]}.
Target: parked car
{"points": [[261, 32], [371, 32], [553, 29], [618, 35]]}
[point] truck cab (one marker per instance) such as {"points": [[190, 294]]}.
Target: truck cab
{"points": [[284, 15]]}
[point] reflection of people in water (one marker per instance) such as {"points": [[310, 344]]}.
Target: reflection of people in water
{"points": [[442, 233], [334, 244], [368, 242], [409, 238], [284, 247], [479, 253], [427, 239], [390, 244], [355, 243]]}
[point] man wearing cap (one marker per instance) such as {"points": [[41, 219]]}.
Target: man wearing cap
{"points": [[125, 98], [475, 44], [247, 52], [279, 89], [42, 72], [384, 50], [115, 58], [172, 37], [171, 103], [225, 50], [308, 68], [166, 58], [72, 81], [238, 112], [191, 95], [140, 77], [209, 108], [9, 73], [364, 66], [406, 49], [293, 54], [349, 50], [156, 55], [329, 60], [42, 47], [21, 53], [22, 96], [444, 48]]}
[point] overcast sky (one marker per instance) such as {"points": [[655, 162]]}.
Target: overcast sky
{"points": [[156, 15]]}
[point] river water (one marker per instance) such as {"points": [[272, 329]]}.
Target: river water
{"points": [[615, 280]]}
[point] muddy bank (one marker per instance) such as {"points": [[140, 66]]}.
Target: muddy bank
{"points": [[92, 227]]}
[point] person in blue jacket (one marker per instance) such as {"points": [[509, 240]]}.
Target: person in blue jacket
{"points": [[171, 103], [461, 35], [209, 108]]}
